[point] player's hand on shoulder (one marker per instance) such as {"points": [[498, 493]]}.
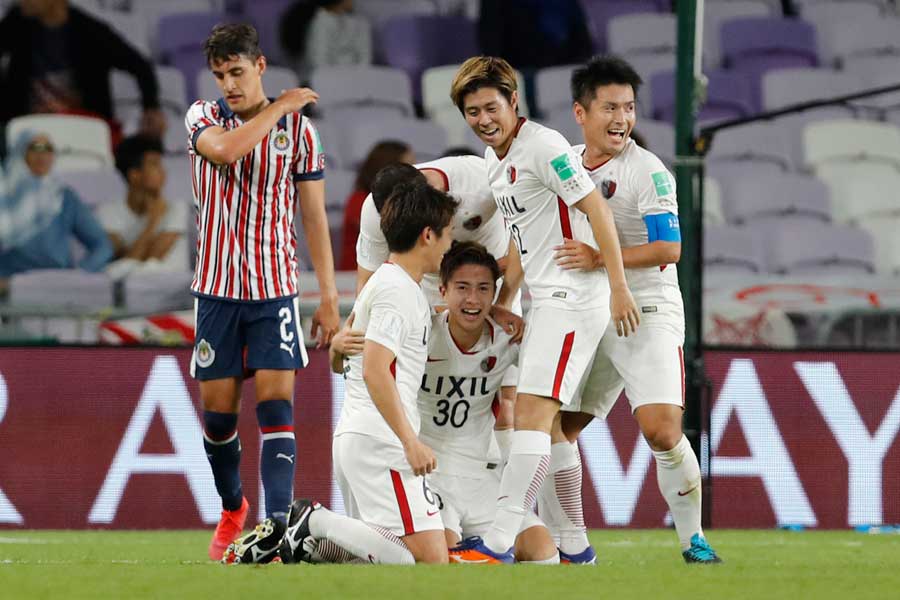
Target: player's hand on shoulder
{"points": [[419, 456], [512, 324], [294, 99], [347, 341], [623, 311], [572, 254]]}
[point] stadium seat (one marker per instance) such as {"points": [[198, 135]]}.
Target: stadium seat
{"points": [[648, 65], [599, 13], [338, 186], [887, 243], [179, 187], [660, 138], [414, 43], [729, 96], [381, 90], [153, 13], [427, 139], [841, 141], [266, 17], [717, 12], [760, 142], [180, 43], [876, 72], [869, 37], [330, 134], [635, 34], [149, 291], [132, 28], [712, 203], [786, 87], [731, 250], [862, 190], [82, 143], [172, 98], [552, 89], [563, 121], [777, 199], [831, 17], [97, 186], [379, 11], [814, 249], [71, 288]]}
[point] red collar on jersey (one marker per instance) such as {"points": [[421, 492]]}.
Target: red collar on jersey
{"points": [[515, 135]]}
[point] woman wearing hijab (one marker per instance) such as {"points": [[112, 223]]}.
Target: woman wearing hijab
{"points": [[39, 216]]}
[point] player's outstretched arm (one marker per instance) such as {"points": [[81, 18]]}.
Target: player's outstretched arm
{"points": [[326, 319], [225, 147], [623, 310], [382, 388]]}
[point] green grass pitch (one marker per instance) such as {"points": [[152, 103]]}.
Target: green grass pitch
{"points": [[643, 564]]}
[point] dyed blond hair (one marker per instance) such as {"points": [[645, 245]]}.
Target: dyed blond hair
{"points": [[479, 72]]}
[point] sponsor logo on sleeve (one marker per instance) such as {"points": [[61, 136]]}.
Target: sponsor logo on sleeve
{"points": [[663, 183], [563, 167]]}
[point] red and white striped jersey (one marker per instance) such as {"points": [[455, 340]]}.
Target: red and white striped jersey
{"points": [[245, 210]]}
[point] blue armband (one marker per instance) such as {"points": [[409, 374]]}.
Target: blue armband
{"points": [[662, 227]]}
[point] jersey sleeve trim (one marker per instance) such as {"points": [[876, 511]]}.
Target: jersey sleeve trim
{"points": [[314, 176], [196, 135]]}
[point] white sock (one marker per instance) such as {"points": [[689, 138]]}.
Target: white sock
{"points": [[678, 475], [327, 551], [559, 502], [372, 544], [529, 463], [504, 439], [553, 560]]}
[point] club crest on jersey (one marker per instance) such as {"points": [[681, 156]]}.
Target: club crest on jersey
{"points": [[608, 188], [487, 365], [281, 142], [473, 223], [205, 354], [511, 174]]}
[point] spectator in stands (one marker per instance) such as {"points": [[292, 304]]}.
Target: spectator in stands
{"points": [[382, 154], [39, 216], [145, 227], [59, 59], [320, 33]]}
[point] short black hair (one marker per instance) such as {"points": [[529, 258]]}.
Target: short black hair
{"points": [[389, 177], [229, 40], [130, 152], [468, 253], [600, 71], [411, 208]]}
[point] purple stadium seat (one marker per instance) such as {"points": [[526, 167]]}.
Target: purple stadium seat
{"points": [[180, 43], [96, 187], [599, 12], [777, 199], [338, 186], [641, 33], [731, 250], [729, 96], [716, 13], [817, 249], [759, 143], [756, 45], [346, 88], [266, 16], [660, 138], [415, 43], [552, 89], [356, 137]]}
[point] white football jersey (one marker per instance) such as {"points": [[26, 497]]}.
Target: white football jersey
{"points": [[636, 183], [457, 394], [392, 310], [535, 186], [476, 219]]}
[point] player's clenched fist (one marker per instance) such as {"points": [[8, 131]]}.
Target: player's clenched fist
{"points": [[294, 99], [623, 311], [420, 457]]}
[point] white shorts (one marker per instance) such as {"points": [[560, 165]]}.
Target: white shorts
{"points": [[558, 351], [468, 504], [379, 487], [648, 365]]}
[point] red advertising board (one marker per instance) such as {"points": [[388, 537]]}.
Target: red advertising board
{"points": [[111, 437]]}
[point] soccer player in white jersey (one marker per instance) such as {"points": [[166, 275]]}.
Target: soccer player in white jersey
{"points": [[252, 159], [379, 462], [546, 197], [649, 366]]}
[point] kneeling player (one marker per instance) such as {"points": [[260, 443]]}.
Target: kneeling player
{"points": [[378, 459]]}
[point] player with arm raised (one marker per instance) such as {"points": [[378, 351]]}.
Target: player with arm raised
{"points": [[379, 462], [546, 197], [649, 366], [252, 158]]}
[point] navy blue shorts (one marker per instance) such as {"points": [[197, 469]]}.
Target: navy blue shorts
{"points": [[234, 339]]}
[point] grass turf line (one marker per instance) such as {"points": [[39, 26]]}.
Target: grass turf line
{"points": [[642, 564]]}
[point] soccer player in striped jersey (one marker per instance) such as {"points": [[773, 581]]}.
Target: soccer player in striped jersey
{"points": [[253, 158], [649, 366], [546, 197], [379, 462]]}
